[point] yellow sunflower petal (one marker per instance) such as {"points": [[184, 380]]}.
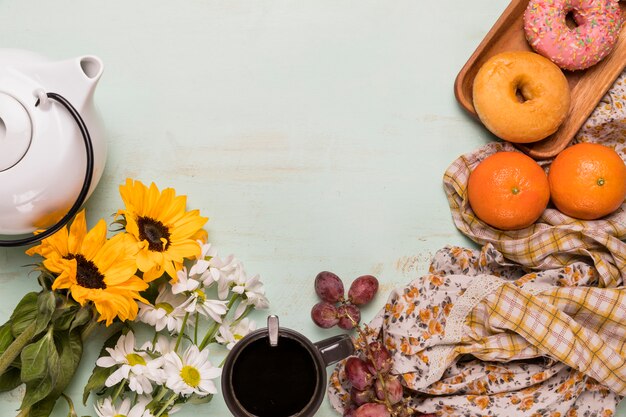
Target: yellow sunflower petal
{"points": [[165, 207], [188, 225], [131, 225], [150, 207], [62, 281], [95, 240], [78, 230], [81, 294], [171, 269], [201, 235], [152, 274], [144, 260], [187, 248]]}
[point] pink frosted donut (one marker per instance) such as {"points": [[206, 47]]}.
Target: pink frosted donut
{"points": [[599, 23]]}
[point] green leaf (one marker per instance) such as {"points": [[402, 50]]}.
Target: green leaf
{"points": [[70, 348], [39, 388], [6, 337], [24, 314], [35, 358], [99, 375], [37, 391], [64, 319], [70, 352], [10, 379], [196, 399], [43, 408], [46, 303], [83, 315]]}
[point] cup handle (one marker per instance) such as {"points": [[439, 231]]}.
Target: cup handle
{"points": [[335, 348]]}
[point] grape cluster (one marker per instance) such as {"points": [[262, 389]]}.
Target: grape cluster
{"points": [[337, 310], [374, 392]]}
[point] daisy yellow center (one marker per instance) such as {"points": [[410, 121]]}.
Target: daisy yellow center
{"points": [[87, 273], [155, 232], [165, 306], [201, 296], [120, 415], [190, 375], [134, 359]]}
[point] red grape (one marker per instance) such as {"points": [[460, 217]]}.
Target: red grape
{"points": [[349, 412], [324, 315], [357, 373], [394, 390], [360, 397], [351, 311], [329, 287], [363, 289], [372, 410], [382, 358]]}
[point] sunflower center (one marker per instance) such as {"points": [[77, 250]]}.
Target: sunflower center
{"points": [[87, 273], [155, 232], [165, 306], [135, 359], [190, 375]]}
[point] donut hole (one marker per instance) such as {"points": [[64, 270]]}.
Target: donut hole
{"points": [[519, 93], [570, 20]]}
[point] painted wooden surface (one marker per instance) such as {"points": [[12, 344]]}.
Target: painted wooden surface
{"points": [[314, 133]]}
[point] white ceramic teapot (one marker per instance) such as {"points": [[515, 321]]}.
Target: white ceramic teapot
{"points": [[52, 147]]}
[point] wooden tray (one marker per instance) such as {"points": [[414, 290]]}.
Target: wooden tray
{"points": [[587, 86]]}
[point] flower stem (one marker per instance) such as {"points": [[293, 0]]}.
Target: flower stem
{"points": [[15, 348], [195, 330], [213, 329], [70, 404], [24, 412], [169, 402], [209, 335], [118, 391], [182, 331]]}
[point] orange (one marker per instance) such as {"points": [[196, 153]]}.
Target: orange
{"points": [[588, 181], [508, 190]]}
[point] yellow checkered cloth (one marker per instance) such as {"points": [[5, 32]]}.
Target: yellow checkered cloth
{"points": [[583, 327], [479, 336], [556, 239]]}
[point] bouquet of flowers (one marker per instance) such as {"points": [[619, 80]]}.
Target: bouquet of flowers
{"points": [[156, 276]]}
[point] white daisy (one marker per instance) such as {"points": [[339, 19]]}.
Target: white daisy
{"points": [[199, 303], [166, 311], [252, 290], [207, 253], [192, 373], [185, 282], [136, 367], [106, 408], [229, 335]]}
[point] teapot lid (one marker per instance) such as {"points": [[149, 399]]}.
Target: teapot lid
{"points": [[15, 131]]}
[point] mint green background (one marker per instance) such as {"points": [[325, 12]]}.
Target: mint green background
{"points": [[314, 133]]}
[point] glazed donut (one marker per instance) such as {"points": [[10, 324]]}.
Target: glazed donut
{"points": [[521, 96], [599, 23]]}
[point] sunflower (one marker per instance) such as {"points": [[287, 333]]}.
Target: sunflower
{"points": [[93, 268], [163, 231]]}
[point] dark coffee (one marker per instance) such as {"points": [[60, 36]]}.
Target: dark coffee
{"points": [[274, 381]]}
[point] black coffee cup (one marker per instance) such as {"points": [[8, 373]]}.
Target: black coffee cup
{"points": [[278, 372]]}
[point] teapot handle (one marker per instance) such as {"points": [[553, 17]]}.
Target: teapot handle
{"points": [[82, 196]]}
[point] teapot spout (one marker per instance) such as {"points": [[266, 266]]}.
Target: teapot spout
{"points": [[75, 79]]}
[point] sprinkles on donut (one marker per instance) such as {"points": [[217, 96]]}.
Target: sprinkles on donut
{"points": [[598, 23]]}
